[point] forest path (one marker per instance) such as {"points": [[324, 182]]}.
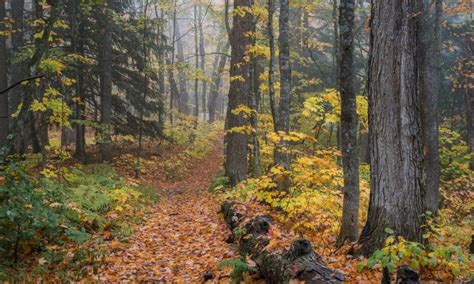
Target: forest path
{"points": [[182, 239]]}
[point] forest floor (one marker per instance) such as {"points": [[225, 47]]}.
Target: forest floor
{"points": [[183, 237]]}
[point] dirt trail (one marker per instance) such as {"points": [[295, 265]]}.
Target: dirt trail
{"points": [[183, 236]]}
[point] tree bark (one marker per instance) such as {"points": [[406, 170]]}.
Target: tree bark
{"points": [[283, 157], [430, 84], [18, 69], [105, 62], [299, 262], [396, 160], [78, 47], [349, 124], [271, 65], [4, 113], [236, 142]]}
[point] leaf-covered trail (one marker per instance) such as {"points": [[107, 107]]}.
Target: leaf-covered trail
{"points": [[183, 236]]}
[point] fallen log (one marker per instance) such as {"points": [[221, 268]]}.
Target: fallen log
{"points": [[299, 262]]}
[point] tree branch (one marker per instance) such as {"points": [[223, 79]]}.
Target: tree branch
{"points": [[20, 82]]}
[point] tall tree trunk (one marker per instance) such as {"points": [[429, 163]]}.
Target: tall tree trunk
{"points": [[196, 57], [285, 80], [430, 84], [4, 113], [349, 124], [216, 79], [335, 52], [183, 89], [202, 55], [145, 88], [105, 62], [18, 70], [78, 47], [236, 142], [271, 66], [174, 92], [396, 160], [254, 103]]}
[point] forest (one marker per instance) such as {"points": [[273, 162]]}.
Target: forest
{"points": [[236, 141]]}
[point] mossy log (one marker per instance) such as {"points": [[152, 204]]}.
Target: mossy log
{"points": [[299, 262]]}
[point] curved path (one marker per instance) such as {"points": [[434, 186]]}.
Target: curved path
{"points": [[183, 236]]}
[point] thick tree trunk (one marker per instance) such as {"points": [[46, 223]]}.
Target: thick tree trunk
{"points": [[216, 79], [349, 124], [236, 141], [397, 182], [283, 158], [4, 113], [430, 84], [105, 62]]}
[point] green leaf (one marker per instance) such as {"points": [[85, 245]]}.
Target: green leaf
{"points": [[360, 266], [371, 263], [414, 264], [389, 231], [391, 266]]}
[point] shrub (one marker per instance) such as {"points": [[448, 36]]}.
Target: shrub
{"points": [[45, 215], [431, 257]]}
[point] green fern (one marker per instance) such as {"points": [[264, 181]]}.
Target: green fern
{"points": [[239, 268]]}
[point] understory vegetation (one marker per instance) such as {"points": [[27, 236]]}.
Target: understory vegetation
{"points": [[312, 205], [324, 141]]}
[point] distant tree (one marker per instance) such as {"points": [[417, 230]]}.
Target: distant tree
{"points": [[221, 60], [183, 88], [202, 59], [396, 154]]}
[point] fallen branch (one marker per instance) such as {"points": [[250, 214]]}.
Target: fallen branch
{"points": [[299, 262]]}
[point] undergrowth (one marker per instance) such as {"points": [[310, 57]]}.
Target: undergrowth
{"points": [[50, 225]]}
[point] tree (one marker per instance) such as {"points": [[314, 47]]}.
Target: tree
{"points": [[183, 89], [430, 85], [105, 62], [396, 157], [236, 140], [349, 124], [271, 64], [196, 58], [285, 80], [4, 116], [202, 57], [77, 41], [221, 61]]}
